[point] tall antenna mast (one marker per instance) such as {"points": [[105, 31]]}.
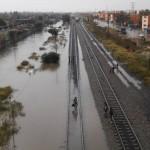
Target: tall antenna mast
{"points": [[132, 7]]}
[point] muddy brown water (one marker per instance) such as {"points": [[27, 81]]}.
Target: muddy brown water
{"points": [[44, 95]]}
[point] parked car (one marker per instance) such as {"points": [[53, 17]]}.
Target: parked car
{"points": [[123, 30]]}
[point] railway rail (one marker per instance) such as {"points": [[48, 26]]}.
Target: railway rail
{"points": [[126, 133]]}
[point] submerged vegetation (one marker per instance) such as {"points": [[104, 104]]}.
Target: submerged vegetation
{"points": [[54, 32], [34, 56], [5, 133], [9, 110], [50, 57], [5, 92], [25, 65]]}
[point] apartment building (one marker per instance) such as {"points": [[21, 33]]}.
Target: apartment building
{"points": [[111, 17], [145, 22], [135, 19], [104, 15]]}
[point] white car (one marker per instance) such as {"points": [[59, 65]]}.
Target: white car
{"points": [[141, 35]]}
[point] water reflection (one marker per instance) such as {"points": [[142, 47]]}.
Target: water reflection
{"points": [[50, 67], [75, 113]]}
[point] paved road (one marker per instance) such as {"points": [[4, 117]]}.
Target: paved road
{"points": [[130, 33]]}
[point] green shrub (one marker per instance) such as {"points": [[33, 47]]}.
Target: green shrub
{"points": [[5, 92], [51, 57]]}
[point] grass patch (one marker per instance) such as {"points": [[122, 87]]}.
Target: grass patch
{"points": [[5, 92], [137, 60], [34, 56], [25, 65], [5, 133]]}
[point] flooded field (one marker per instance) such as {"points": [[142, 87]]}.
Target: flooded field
{"points": [[42, 92]]}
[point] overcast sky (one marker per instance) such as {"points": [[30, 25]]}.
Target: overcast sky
{"points": [[70, 5]]}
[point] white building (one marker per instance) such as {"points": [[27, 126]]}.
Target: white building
{"points": [[145, 22], [111, 18]]}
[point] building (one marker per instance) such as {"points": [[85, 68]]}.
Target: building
{"points": [[104, 15], [145, 22], [101, 15], [112, 17], [135, 19]]}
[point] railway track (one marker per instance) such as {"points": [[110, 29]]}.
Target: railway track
{"points": [[127, 136]]}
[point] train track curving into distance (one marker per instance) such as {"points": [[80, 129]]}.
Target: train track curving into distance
{"points": [[125, 131]]}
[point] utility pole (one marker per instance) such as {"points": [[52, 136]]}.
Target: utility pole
{"points": [[108, 22], [132, 7]]}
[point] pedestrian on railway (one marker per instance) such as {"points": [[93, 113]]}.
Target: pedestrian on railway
{"points": [[111, 113], [117, 66], [75, 102], [105, 109], [112, 69]]}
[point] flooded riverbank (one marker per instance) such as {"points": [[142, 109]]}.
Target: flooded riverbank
{"points": [[42, 93]]}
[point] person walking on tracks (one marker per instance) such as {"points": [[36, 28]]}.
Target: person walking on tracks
{"points": [[111, 113], [112, 69], [105, 109], [75, 102]]}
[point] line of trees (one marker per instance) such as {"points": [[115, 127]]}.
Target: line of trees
{"points": [[2, 22]]}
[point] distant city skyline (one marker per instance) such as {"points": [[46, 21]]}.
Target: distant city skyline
{"points": [[70, 5]]}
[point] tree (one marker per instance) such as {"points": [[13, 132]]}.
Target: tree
{"points": [[2, 22], [66, 18], [38, 26], [122, 18], [145, 12], [50, 57], [12, 35], [54, 32]]}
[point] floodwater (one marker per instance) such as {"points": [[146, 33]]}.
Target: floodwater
{"points": [[44, 95]]}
